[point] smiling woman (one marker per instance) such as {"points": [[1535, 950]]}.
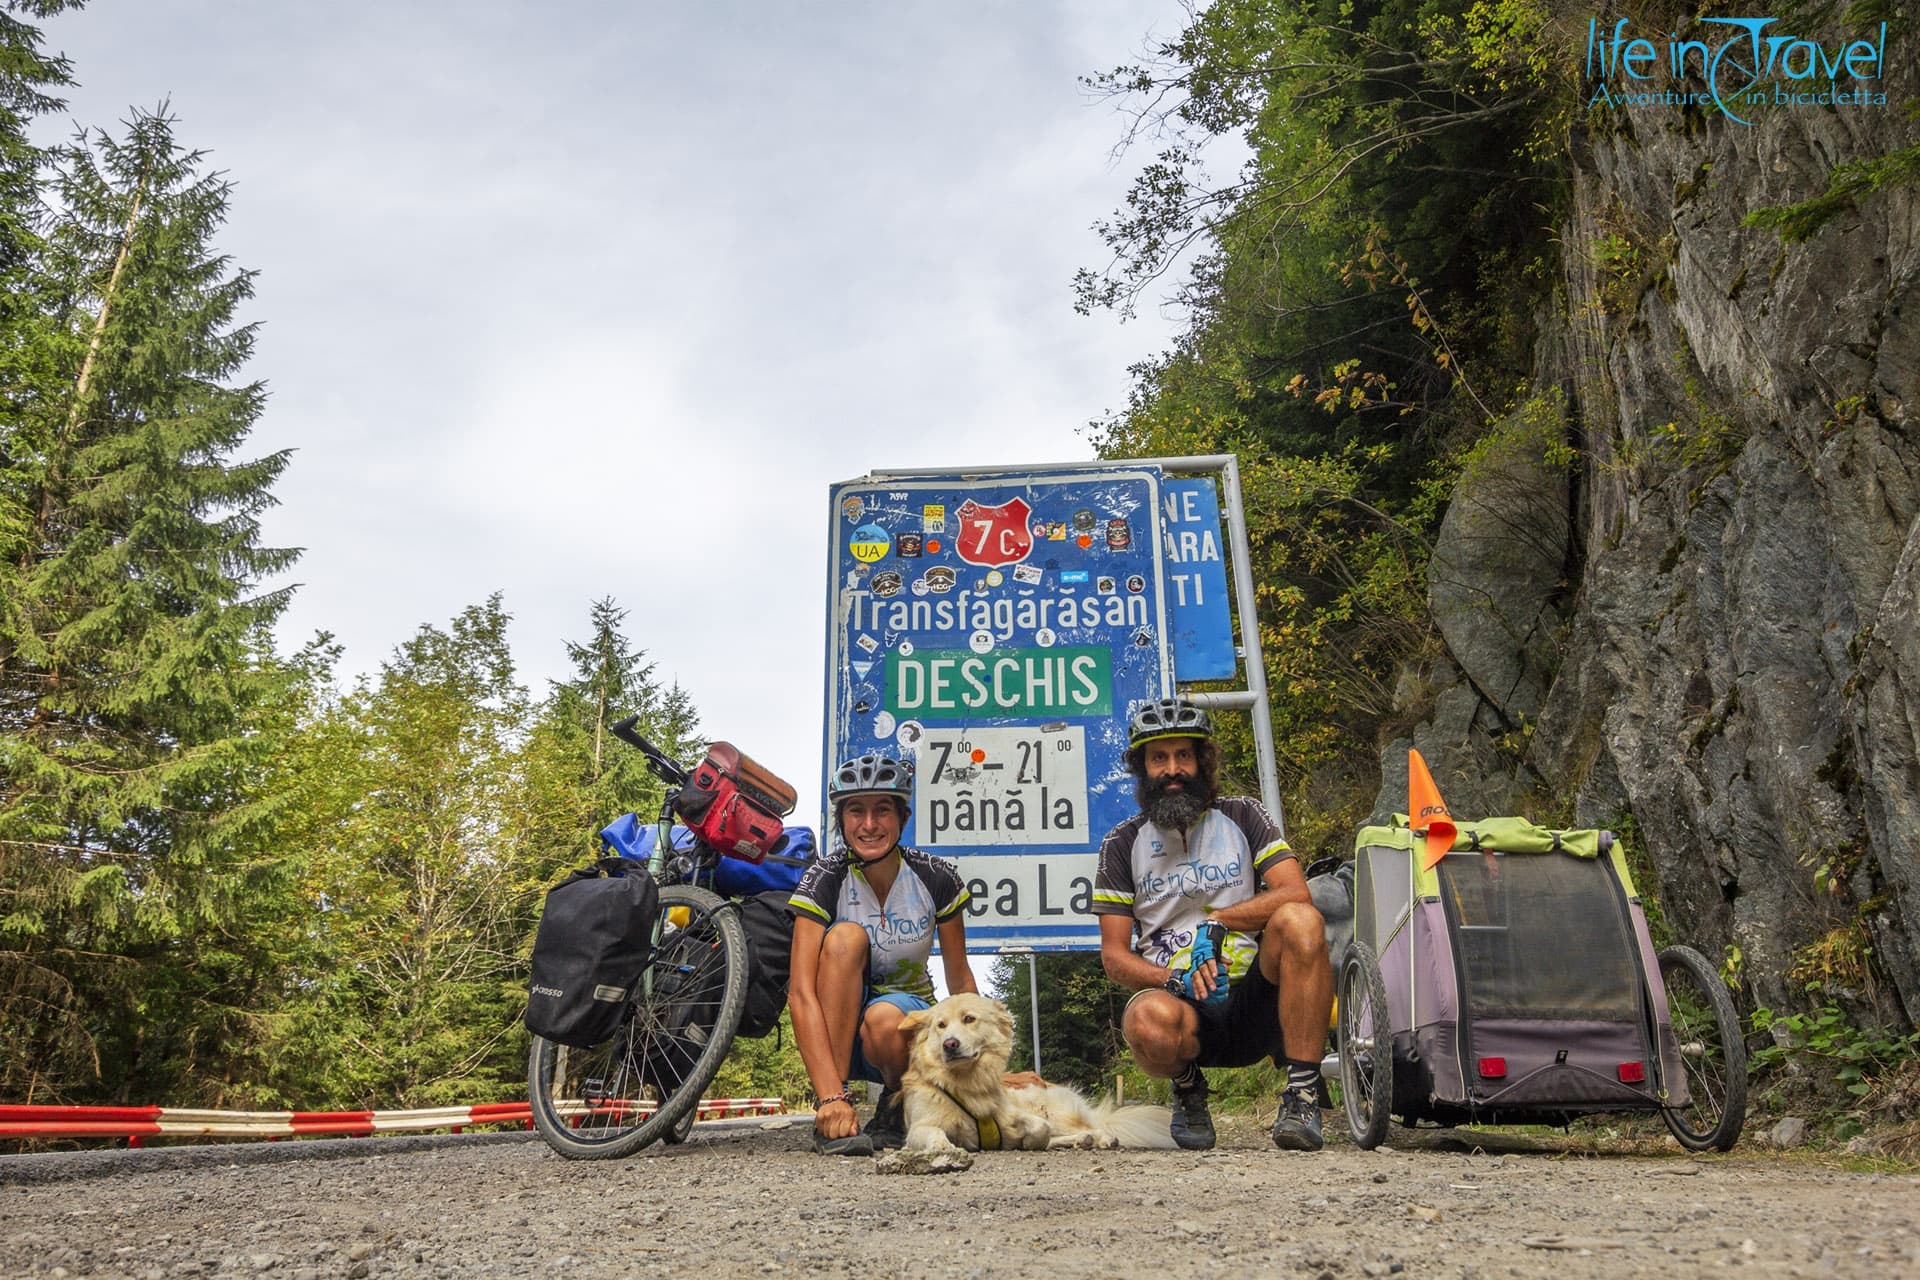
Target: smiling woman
{"points": [[866, 917]]}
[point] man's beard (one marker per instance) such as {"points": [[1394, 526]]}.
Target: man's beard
{"points": [[1173, 809]]}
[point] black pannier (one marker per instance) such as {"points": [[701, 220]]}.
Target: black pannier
{"points": [[768, 921], [594, 939]]}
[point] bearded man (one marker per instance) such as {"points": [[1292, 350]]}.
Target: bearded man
{"points": [[1204, 912]]}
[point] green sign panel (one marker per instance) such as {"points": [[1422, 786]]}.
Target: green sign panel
{"points": [[955, 684]]}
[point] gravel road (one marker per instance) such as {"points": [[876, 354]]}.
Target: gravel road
{"points": [[744, 1199]]}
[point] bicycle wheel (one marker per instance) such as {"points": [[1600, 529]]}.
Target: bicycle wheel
{"points": [[1712, 1053], [679, 1133], [611, 1099], [1366, 1048]]}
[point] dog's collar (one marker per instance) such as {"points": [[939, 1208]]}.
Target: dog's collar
{"points": [[986, 1126]]}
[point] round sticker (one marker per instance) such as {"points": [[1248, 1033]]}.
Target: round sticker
{"points": [[1044, 637], [909, 734], [869, 543], [995, 577], [906, 649], [920, 587], [982, 641], [883, 725]]}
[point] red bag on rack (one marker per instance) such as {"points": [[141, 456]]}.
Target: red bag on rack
{"points": [[736, 805]]}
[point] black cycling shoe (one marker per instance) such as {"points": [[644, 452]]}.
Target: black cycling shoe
{"points": [[1298, 1126], [1192, 1124], [854, 1144], [888, 1128]]}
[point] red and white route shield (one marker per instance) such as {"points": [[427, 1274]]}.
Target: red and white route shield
{"points": [[994, 536]]}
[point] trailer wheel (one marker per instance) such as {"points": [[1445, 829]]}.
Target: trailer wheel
{"points": [[1366, 1047], [1712, 1053]]}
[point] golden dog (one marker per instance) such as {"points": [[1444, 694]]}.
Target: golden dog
{"points": [[955, 1096]]}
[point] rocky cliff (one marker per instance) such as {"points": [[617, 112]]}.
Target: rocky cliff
{"points": [[1706, 629]]}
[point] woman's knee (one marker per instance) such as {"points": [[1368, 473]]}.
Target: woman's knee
{"points": [[881, 1040], [845, 943], [881, 1019]]}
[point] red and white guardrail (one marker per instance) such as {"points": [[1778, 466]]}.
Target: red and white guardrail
{"points": [[138, 1123]]}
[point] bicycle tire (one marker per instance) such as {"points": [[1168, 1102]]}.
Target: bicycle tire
{"points": [[682, 1130], [590, 1103], [1712, 1053], [1366, 1048]]}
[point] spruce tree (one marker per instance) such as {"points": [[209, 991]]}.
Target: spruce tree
{"points": [[133, 649], [587, 776]]}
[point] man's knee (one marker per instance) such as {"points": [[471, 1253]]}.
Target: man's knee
{"points": [[1296, 931], [1155, 1025]]}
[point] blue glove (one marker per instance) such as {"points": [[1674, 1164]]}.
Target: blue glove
{"points": [[1207, 945]]}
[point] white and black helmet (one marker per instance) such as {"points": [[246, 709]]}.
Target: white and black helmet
{"points": [[1167, 718], [872, 774]]}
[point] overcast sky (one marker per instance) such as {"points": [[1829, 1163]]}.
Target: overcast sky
{"points": [[587, 299]]}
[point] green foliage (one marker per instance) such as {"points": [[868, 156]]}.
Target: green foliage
{"points": [[434, 807], [1080, 1010], [1828, 1039], [137, 687], [1386, 235], [1847, 185], [768, 1067]]}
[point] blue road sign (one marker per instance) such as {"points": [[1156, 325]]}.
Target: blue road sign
{"points": [[998, 633], [1196, 581]]}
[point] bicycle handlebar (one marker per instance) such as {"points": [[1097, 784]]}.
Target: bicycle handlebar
{"points": [[658, 762]]}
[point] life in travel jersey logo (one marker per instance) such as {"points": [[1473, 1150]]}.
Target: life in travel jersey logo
{"points": [[1740, 63]]}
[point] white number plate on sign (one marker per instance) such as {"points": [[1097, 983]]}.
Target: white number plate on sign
{"points": [[1001, 786]]}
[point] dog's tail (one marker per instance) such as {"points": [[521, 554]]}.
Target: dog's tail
{"points": [[1137, 1126]]}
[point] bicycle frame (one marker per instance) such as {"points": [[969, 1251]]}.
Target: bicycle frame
{"points": [[661, 862]]}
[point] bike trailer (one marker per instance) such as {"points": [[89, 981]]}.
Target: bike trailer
{"points": [[1520, 980], [735, 804]]}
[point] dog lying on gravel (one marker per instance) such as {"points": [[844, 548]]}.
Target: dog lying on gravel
{"points": [[955, 1097]]}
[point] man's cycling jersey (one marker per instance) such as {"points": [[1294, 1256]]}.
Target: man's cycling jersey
{"points": [[1167, 881]]}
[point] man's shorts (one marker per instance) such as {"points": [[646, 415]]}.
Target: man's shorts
{"points": [[860, 1068], [1245, 1029]]}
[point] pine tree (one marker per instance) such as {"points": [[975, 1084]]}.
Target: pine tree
{"points": [[134, 661], [589, 777]]}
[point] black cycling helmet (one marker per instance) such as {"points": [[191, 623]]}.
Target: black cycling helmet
{"points": [[871, 774], [1167, 718]]}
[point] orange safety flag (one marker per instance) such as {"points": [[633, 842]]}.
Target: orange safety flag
{"points": [[1427, 812]]}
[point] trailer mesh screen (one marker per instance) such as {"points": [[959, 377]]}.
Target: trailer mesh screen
{"points": [[1540, 936]]}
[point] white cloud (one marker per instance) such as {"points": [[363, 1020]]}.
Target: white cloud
{"points": [[598, 299]]}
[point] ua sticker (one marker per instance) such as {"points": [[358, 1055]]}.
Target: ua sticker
{"points": [[869, 543], [993, 536]]}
